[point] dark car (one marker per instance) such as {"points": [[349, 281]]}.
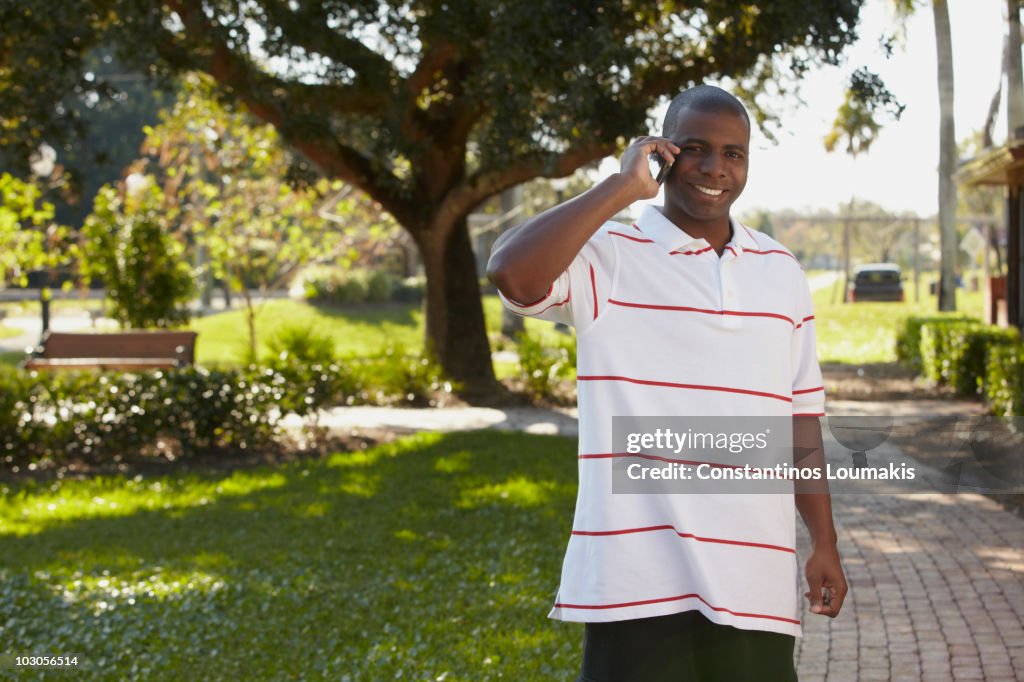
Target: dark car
{"points": [[876, 282]]}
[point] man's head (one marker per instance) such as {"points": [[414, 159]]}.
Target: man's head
{"points": [[703, 98], [712, 129]]}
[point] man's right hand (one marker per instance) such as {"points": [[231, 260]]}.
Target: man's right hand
{"points": [[525, 262], [634, 163]]}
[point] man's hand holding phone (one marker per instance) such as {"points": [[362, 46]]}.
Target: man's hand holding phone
{"points": [[649, 159]]}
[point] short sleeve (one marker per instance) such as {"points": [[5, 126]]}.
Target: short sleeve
{"points": [[580, 293], [808, 385]]}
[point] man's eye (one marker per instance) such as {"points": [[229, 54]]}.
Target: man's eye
{"points": [[734, 155], [693, 149]]}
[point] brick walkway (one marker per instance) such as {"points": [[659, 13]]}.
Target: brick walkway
{"points": [[936, 592]]}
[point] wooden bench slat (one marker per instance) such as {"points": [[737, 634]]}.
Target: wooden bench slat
{"points": [[119, 350]]}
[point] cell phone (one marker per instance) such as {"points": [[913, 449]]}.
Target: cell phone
{"points": [[659, 167]]}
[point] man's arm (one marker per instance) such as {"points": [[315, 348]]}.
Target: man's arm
{"points": [[823, 570], [525, 261]]}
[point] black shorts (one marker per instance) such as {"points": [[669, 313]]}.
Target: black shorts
{"points": [[684, 646]]}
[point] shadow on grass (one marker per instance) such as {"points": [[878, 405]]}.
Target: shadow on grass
{"points": [[434, 554]]}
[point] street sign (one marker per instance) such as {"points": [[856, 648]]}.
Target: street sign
{"points": [[973, 242]]}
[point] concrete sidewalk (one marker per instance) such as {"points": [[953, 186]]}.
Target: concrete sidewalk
{"points": [[936, 580]]}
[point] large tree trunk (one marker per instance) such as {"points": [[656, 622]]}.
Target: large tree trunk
{"points": [[455, 330], [947, 158]]}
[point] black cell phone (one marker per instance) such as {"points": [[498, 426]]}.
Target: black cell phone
{"points": [[659, 167]]}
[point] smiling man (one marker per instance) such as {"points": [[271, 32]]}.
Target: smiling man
{"points": [[685, 313]]}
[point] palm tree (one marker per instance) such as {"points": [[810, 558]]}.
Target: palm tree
{"points": [[947, 157]]}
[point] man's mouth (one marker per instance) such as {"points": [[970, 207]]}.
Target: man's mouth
{"points": [[710, 191]]}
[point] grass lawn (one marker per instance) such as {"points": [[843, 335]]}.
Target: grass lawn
{"points": [[358, 332], [860, 333], [435, 557]]}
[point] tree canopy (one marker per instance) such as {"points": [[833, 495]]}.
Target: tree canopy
{"points": [[429, 106]]}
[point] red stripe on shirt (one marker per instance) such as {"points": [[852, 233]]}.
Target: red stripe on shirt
{"points": [[764, 253], [696, 387], [809, 390], [804, 321], [631, 237], [690, 536], [690, 253], [808, 414], [707, 311], [681, 597], [530, 305], [553, 305], [593, 286]]}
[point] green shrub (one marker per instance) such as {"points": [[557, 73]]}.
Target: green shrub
{"points": [[1004, 380], [938, 347], [968, 351], [301, 343], [410, 290], [542, 368], [908, 339], [131, 245], [396, 377], [99, 416], [380, 286], [352, 287]]}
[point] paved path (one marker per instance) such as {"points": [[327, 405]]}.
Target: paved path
{"points": [[937, 580]]}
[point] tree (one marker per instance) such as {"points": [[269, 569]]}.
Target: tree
{"points": [[947, 158], [432, 107], [132, 242], [857, 126], [225, 173], [857, 122]]}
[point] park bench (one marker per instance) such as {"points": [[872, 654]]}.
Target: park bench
{"points": [[128, 350]]}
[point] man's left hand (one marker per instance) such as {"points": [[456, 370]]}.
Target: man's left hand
{"points": [[826, 581]]}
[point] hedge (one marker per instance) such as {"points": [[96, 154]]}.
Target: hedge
{"points": [[938, 347], [908, 338], [98, 416], [968, 350], [1004, 380], [348, 287]]}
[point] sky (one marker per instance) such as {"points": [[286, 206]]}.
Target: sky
{"points": [[899, 171]]}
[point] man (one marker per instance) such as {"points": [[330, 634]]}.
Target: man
{"points": [[686, 312]]}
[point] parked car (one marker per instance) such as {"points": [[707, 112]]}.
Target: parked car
{"points": [[876, 282]]}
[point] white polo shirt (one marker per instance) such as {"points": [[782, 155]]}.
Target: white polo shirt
{"points": [[666, 327]]}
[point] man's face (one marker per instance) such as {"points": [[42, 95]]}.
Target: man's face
{"points": [[710, 170]]}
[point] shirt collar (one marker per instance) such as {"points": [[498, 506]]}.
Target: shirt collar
{"points": [[666, 234]]}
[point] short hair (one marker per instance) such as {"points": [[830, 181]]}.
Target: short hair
{"points": [[702, 98]]}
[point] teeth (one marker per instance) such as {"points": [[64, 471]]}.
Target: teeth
{"points": [[709, 191]]}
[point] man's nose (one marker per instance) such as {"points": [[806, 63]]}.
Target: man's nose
{"points": [[712, 164]]}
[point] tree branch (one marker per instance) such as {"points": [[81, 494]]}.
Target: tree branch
{"points": [[307, 28], [268, 98], [486, 183]]}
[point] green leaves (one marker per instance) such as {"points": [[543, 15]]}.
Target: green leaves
{"points": [[133, 244], [29, 240]]}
